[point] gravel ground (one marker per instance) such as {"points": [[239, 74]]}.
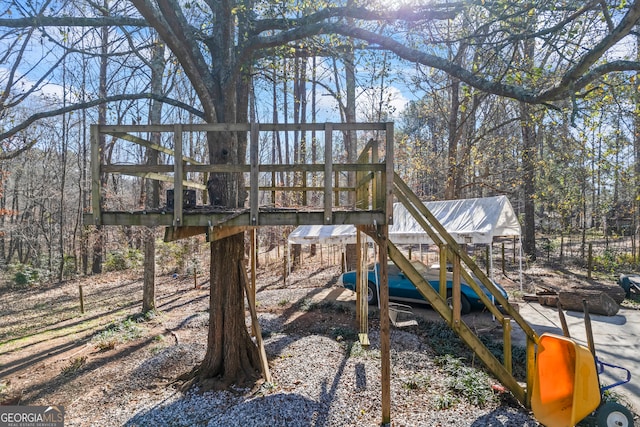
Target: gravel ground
{"points": [[318, 383]]}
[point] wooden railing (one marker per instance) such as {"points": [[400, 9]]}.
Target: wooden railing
{"points": [[326, 184]]}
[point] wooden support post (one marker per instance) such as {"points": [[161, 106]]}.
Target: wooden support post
{"points": [[506, 338], [531, 362], [385, 339], [254, 265], [359, 274], [328, 173], [96, 170], [443, 271], [284, 265], [590, 261], [362, 289], [503, 260], [455, 291], [274, 185], [388, 185], [254, 174], [81, 299], [336, 194], [178, 171], [377, 196], [488, 251]]}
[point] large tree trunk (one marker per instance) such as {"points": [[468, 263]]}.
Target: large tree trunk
{"points": [[99, 243], [528, 177], [453, 167], [152, 187], [231, 357], [636, 155]]}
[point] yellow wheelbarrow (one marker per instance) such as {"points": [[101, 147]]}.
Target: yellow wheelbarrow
{"points": [[566, 387]]}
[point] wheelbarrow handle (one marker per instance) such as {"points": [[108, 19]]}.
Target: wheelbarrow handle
{"points": [[601, 366]]}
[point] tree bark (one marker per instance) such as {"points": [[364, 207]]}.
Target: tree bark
{"points": [[152, 187], [98, 243], [528, 178], [598, 302], [232, 357], [453, 167], [149, 285]]}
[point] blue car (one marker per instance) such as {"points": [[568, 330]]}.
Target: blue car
{"points": [[401, 288]]}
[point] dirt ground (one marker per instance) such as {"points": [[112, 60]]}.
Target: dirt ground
{"points": [[46, 343], [48, 347]]}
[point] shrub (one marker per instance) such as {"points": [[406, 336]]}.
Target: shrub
{"points": [[24, 275], [123, 260], [74, 366], [117, 333], [469, 383]]}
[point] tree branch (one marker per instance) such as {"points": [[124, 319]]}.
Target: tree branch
{"points": [[83, 105], [406, 14], [167, 22], [73, 21]]}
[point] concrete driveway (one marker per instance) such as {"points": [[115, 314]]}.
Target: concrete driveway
{"points": [[617, 342]]}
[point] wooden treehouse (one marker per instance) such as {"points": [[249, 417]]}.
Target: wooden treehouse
{"points": [[321, 187]]}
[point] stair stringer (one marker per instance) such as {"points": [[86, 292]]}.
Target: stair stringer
{"points": [[440, 235]]}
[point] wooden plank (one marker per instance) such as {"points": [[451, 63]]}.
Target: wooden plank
{"points": [[341, 167], [152, 219], [136, 169], [328, 173], [245, 127], [204, 127], [96, 186], [364, 180], [164, 178], [150, 145], [177, 177], [221, 232], [171, 234], [264, 363], [218, 168], [254, 175], [298, 189], [269, 127]]}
